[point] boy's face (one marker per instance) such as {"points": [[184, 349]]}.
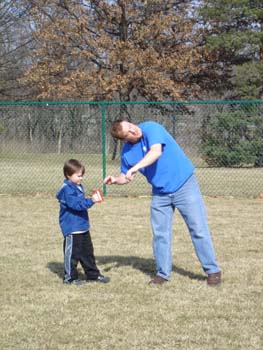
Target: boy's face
{"points": [[76, 178]]}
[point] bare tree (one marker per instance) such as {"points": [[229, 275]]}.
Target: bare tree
{"points": [[100, 50], [15, 41]]}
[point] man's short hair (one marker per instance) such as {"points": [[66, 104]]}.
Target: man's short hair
{"points": [[116, 128]]}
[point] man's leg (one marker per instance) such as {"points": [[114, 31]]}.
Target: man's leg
{"points": [[161, 220], [189, 201]]}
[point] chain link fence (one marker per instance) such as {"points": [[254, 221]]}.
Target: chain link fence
{"points": [[224, 139]]}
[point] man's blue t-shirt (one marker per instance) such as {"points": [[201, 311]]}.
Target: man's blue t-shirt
{"points": [[170, 171]]}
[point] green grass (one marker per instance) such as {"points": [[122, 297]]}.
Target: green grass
{"points": [[42, 173], [38, 312]]}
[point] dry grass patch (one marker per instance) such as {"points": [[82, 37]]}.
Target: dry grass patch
{"points": [[39, 312]]}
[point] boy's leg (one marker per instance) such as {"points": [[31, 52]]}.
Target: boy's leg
{"points": [[71, 258], [87, 258]]}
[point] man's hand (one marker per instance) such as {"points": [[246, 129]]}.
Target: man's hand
{"points": [[119, 180], [109, 180], [131, 174]]}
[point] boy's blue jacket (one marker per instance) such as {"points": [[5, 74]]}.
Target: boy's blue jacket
{"points": [[73, 214]]}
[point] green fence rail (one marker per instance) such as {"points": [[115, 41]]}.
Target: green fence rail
{"points": [[224, 139]]}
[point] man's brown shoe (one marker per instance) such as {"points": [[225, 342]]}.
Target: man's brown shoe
{"points": [[157, 280], [214, 279]]}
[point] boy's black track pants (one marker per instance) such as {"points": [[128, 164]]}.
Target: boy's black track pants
{"points": [[79, 248]]}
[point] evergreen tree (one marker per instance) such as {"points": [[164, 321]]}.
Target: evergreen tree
{"points": [[233, 138], [233, 35]]}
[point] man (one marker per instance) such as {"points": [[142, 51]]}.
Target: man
{"points": [[150, 149]]}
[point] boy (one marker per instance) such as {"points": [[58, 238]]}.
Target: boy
{"points": [[74, 224]]}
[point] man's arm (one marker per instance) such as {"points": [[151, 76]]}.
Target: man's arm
{"points": [[150, 157], [119, 180]]}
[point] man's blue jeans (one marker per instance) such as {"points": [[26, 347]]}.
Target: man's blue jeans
{"points": [[188, 200]]}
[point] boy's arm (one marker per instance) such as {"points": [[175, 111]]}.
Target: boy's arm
{"points": [[77, 203]]}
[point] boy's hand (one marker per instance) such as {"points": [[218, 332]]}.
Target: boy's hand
{"points": [[97, 196]]}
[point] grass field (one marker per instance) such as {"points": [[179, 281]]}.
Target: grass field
{"points": [[38, 312]]}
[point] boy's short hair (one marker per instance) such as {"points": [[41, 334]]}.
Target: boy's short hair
{"points": [[72, 166]]}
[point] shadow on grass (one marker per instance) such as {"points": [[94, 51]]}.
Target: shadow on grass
{"points": [[146, 266]]}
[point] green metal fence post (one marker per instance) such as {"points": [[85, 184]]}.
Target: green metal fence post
{"points": [[103, 142], [174, 120]]}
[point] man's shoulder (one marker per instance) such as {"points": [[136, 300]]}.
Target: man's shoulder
{"points": [[149, 124], [152, 128]]}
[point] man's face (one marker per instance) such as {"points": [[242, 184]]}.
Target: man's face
{"points": [[130, 132]]}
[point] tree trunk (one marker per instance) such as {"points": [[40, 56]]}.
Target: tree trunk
{"points": [[59, 140]]}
